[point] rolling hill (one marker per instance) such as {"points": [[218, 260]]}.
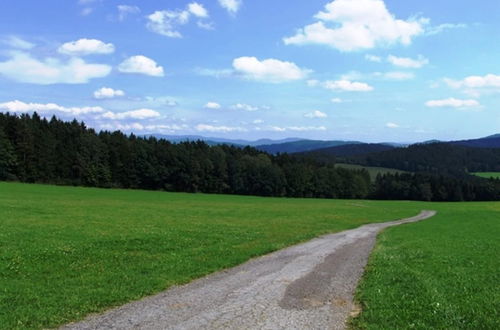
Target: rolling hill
{"points": [[302, 145]]}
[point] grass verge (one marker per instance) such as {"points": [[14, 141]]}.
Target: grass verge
{"points": [[436, 274]]}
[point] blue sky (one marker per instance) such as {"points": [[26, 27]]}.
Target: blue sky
{"points": [[368, 70]]}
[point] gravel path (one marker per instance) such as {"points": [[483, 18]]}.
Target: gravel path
{"points": [[306, 286]]}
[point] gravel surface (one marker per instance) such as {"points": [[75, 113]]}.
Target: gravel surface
{"points": [[306, 286]]}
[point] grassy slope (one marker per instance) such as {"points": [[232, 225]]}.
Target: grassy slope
{"points": [[66, 252], [438, 274], [488, 175]]}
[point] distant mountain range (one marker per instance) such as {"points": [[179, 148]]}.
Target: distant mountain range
{"points": [[333, 148], [216, 141]]}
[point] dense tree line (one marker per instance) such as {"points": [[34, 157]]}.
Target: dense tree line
{"points": [[437, 158], [33, 149], [432, 187]]}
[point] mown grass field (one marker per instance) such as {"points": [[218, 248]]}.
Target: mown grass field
{"points": [[488, 175], [66, 252], [373, 171], [442, 273]]}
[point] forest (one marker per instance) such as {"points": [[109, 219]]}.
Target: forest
{"points": [[36, 150]]}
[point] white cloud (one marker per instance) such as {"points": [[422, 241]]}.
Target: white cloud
{"points": [[141, 65], [84, 47], [166, 22], [246, 107], [336, 100], [123, 127], [232, 6], [443, 27], [487, 81], [316, 114], [396, 75], [205, 25], [50, 108], [350, 25], [108, 93], [18, 43], [373, 58], [258, 121], [391, 125], [218, 129], [453, 103], [347, 86], [406, 62], [136, 126], [197, 10], [166, 128], [22, 67], [269, 70], [125, 10], [297, 128], [212, 105], [476, 85], [134, 114]]}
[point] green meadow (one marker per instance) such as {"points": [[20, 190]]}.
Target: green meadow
{"points": [[488, 175], [66, 252], [443, 273]]}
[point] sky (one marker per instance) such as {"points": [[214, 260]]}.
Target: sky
{"points": [[366, 70]]}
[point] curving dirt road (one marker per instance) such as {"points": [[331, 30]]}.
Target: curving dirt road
{"points": [[306, 286]]}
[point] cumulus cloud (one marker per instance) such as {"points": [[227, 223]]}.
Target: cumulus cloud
{"points": [[84, 47], [268, 70], [406, 62], [247, 107], [453, 103], [336, 100], [22, 67], [212, 105], [232, 6], [17, 43], [166, 22], [347, 86], [124, 11], [197, 10], [134, 114], [476, 85], [392, 125], [141, 65], [108, 93], [350, 25], [48, 108], [218, 129], [487, 81], [316, 114]]}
